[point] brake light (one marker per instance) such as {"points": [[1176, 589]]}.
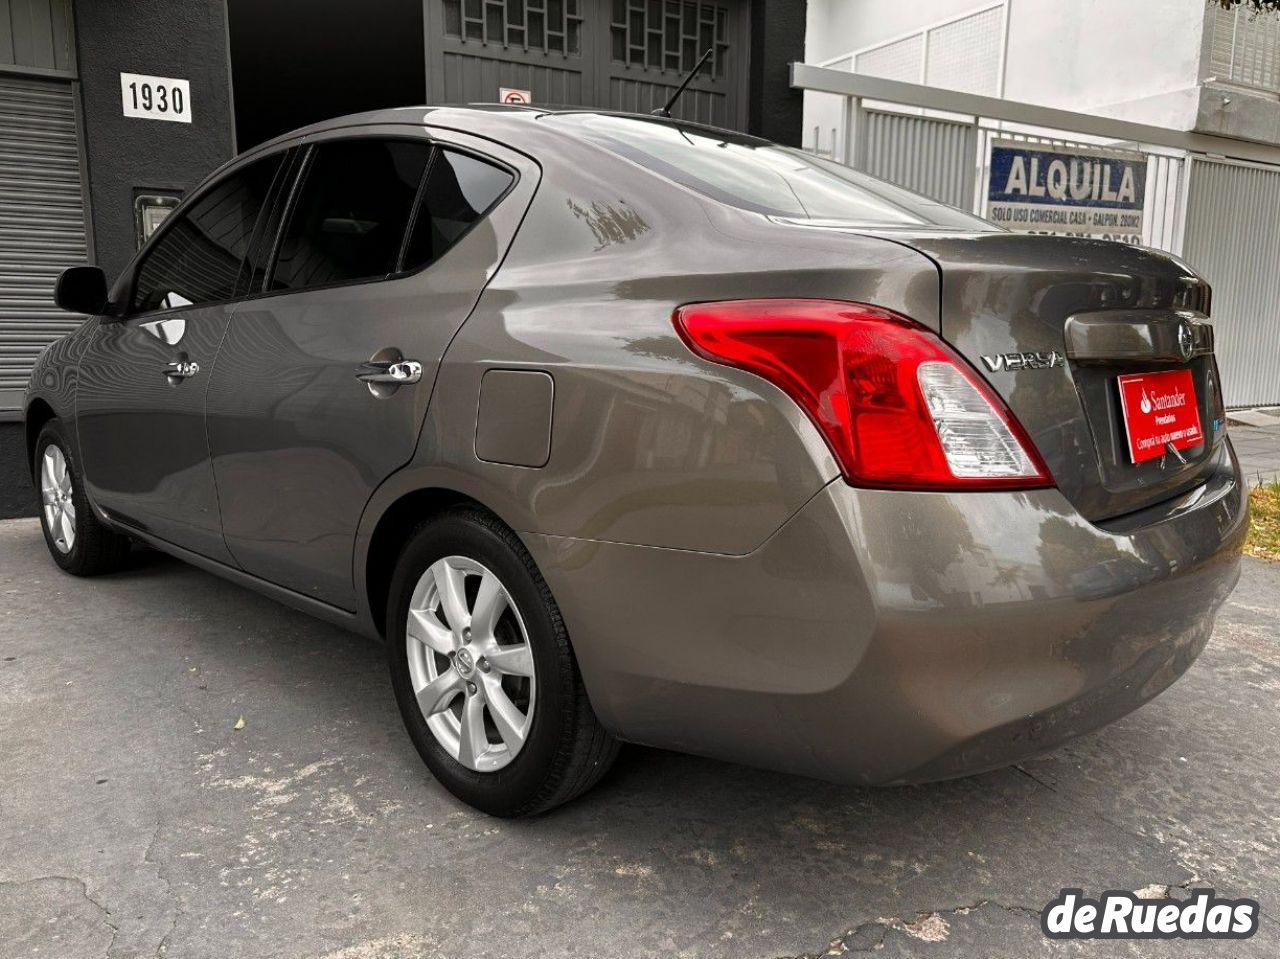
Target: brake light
{"points": [[898, 407]]}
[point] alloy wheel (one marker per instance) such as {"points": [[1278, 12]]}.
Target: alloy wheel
{"points": [[56, 496], [470, 663]]}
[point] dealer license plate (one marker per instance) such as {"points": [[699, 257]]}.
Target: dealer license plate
{"points": [[1160, 411]]}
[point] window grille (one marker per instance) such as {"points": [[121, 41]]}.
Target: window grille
{"points": [[670, 34], [899, 60], [963, 53], [1246, 48], [547, 26]]}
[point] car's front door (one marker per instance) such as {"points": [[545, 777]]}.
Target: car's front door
{"points": [[390, 238], [143, 376]]}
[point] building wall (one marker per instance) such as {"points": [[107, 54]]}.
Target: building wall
{"points": [[838, 26], [126, 157], [1138, 60], [777, 39]]}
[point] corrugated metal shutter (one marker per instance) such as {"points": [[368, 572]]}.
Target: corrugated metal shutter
{"points": [[927, 155], [42, 227], [1233, 240]]}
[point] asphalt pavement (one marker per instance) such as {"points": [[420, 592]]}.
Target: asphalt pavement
{"points": [[136, 820]]}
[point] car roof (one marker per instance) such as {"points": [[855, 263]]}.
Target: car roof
{"points": [[499, 121]]}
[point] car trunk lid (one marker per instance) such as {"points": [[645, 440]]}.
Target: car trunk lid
{"points": [[1053, 323]]}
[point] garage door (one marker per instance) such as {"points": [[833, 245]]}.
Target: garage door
{"points": [[42, 226], [1233, 241], [609, 54]]}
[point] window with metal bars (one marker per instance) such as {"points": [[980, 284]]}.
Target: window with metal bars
{"points": [[670, 34], [549, 26]]}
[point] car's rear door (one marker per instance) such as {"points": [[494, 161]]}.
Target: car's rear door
{"points": [[390, 237], [143, 376]]}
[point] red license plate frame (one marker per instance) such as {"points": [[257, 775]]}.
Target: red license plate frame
{"points": [[1159, 410]]}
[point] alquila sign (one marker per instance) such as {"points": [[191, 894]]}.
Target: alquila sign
{"points": [[1033, 188]]}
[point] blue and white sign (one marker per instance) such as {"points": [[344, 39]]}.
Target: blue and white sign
{"points": [[1034, 188]]}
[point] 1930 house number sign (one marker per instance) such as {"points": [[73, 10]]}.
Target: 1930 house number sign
{"points": [[156, 98]]}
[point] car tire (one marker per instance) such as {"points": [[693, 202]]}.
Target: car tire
{"points": [[77, 540], [564, 750]]}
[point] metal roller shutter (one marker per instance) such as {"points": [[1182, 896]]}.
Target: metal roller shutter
{"points": [[42, 223], [1233, 240]]}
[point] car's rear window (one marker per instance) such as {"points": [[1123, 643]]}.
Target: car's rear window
{"points": [[757, 175]]}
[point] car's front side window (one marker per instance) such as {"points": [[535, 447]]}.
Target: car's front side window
{"points": [[198, 257], [352, 210]]}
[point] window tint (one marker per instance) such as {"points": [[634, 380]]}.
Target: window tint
{"points": [[351, 213], [197, 259], [257, 260], [459, 191], [758, 175]]}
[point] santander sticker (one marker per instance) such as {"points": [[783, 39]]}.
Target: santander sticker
{"points": [[1160, 411]]}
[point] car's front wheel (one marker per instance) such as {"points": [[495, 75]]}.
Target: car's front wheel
{"points": [[483, 671], [77, 541]]}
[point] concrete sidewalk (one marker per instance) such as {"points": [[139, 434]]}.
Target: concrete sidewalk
{"points": [[136, 821], [1257, 443]]}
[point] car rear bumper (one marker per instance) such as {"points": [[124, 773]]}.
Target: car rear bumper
{"points": [[883, 637]]}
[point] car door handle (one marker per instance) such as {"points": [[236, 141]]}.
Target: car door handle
{"points": [[394, 373], [181, 369]]}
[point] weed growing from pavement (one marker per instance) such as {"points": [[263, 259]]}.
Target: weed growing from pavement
{"points": [[1264, 521]]}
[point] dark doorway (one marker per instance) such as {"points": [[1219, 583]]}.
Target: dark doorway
{"points": [[295, 62]]}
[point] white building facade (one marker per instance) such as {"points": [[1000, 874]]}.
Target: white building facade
{"points": [[1197, 88]]}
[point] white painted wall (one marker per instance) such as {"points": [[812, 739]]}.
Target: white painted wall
{"points": [[837, 26], [1132, 59]]}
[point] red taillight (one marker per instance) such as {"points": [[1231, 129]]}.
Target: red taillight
{"points": [[897, 406]]}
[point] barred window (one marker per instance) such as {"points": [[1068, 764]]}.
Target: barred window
{"points": [[670, 34], [550, 26]]}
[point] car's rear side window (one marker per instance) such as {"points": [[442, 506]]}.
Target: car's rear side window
{"points": [[459, 192], [197, 259], [352, 209]]}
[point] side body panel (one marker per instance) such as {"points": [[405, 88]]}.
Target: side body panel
{"points": [[299, 444], [650, 444], [726, 592], [883, 636], [142, 435], [139, 409], [56, 373]]}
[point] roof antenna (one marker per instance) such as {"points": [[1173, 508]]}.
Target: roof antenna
{"points": [[666, 110]]}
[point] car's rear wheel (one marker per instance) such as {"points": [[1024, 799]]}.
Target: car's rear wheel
{"points": [[484, 673], [77, 541]]}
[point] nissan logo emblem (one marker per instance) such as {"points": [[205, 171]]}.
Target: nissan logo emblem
{"points": [[1186, 340]]}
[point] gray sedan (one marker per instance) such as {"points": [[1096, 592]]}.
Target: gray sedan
{"points": [[618, 428]]}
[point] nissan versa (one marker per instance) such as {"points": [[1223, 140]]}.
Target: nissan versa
{"points": [[618, 428]]}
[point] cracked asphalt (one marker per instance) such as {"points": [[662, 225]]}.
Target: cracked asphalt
{"points": [[136, 821]]}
